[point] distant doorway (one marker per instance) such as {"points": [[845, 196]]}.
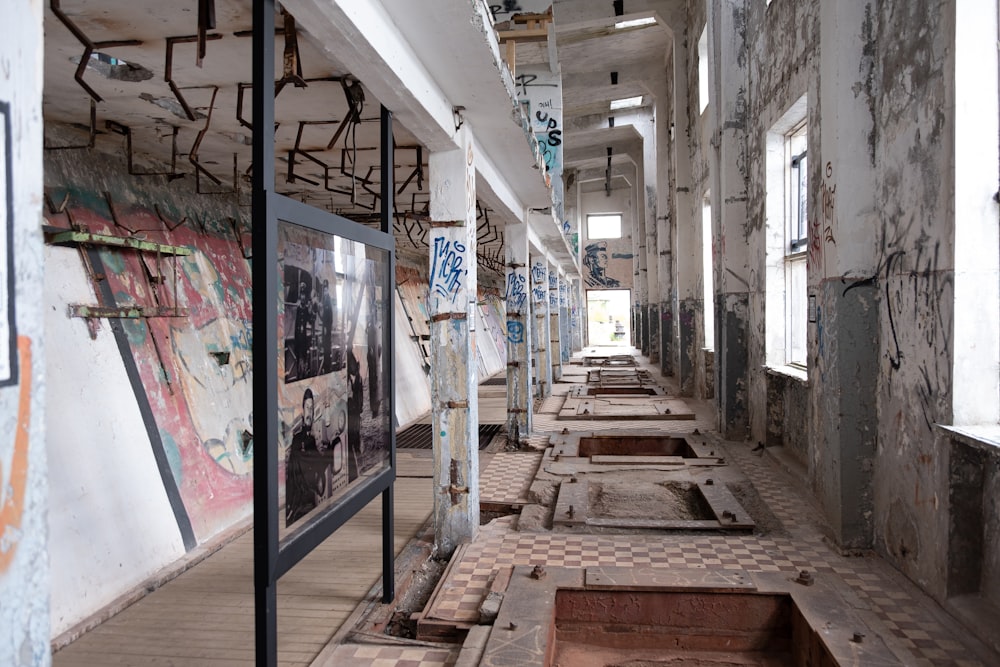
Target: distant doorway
{"points": [[609, 317]]}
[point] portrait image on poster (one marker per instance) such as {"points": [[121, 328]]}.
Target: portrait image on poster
{"points": [[332, 408]]}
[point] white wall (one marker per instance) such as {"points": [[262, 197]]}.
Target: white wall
{"points": [[24, 627], [110, 523], [413, 389]]}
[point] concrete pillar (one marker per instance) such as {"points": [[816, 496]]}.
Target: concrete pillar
{"points": [[519, 403], [451, 307], [540, 307], [687, 237], [651, 315], [24, 505], [640, 286], [555, 330], [843, 424], [727, 36], [576, 313], [565, 329], [663, 218]]}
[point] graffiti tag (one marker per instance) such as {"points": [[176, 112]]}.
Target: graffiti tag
{"points": [[516, 295], [446, 268], [515, 332]]}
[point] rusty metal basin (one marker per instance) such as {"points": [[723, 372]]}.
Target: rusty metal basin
{"points": [[652, 628], [659, 617], [625, 445]]}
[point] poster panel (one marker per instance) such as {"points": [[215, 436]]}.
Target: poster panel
{"points": [[332, 405]]}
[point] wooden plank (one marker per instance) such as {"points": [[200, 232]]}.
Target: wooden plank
{"points": [[205, 616]]}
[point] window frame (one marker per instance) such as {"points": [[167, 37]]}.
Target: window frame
{"points": [[786, 302], [590, 234]]}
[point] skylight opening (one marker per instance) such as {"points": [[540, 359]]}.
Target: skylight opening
{"points": [[626, 103], [635, 23]]}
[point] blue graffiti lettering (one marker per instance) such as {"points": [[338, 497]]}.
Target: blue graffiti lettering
{"points": [[446, 270], [516, 295]]}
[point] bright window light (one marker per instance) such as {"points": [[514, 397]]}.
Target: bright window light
{"points": [[635, 23], [626, 103]]}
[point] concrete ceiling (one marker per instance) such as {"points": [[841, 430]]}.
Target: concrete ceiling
{"points": [[209, 141], [456, 60], [590, 49]]}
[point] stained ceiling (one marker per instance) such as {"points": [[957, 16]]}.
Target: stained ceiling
{"points": [[168, 85]]}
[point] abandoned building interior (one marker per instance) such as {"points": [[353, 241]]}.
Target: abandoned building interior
{"points": [[667, 331]]}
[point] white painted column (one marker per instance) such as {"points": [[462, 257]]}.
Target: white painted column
{"points": [[24, 572], [565, 329], [640, 286], [651, 337], [541, 341], [519, 403], [726, 27], [664, 220], [576, 313], [555, 330], [451, 308], [687, 231]]}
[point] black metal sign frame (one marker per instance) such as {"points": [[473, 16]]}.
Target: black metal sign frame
{"points": [[273, 557]]}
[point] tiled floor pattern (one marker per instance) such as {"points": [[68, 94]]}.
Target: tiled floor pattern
{"points": [[914, 626], [365, 655], [508, 476], [551, 405]]}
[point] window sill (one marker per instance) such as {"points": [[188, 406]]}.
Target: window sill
{"points": [[793, 372], [982, 436]]}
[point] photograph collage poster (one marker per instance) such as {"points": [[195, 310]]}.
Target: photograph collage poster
{"points": [[332, 404]]}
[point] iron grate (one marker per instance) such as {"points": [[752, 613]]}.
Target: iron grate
{"points": [[418, 436], [494, 382]]}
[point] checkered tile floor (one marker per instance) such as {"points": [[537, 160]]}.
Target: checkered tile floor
{"points": [[508, 476], [551, 405], [911, 624], [364, 655]]}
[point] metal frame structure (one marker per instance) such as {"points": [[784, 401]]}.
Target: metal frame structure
{"points": [[272, 558]]}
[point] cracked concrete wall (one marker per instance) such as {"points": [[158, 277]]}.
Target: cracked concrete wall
{"points": [[914, 147], [693, 141], [880, 79]]}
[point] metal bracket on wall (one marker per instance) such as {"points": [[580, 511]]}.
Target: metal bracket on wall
{"points": [[70, 237], [168, 67], [92, 133], [125, 312], [126, 131], [88, 48], [292, 72]]}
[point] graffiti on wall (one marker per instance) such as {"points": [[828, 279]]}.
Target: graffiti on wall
{"points": [[196, 370], [14, 476], [596, 263], [516, 293], [447, 270]]}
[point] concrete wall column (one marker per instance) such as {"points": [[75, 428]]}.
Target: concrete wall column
{"points": [[565, 327], [24, 573], [519, 403], [727, 36], [652, 304], [663, 219], [842, 406], [451, 305], [541, 346], [555, 328], [687, 240], [640, 287]]}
